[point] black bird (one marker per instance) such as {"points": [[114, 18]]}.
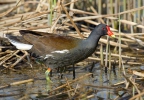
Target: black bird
{"points": [[61, 51]]}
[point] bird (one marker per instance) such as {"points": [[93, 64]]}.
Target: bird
{"points": [[58, 50]]}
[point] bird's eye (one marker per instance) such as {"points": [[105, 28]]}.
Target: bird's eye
{"points": [[103, 28]]}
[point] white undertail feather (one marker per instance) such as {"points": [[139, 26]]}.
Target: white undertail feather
{"points": [[20, 46]]}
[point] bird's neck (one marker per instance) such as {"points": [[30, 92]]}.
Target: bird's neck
{"points": [[94, 37]]}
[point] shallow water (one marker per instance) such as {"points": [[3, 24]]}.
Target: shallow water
{"points": [[37, 90]]}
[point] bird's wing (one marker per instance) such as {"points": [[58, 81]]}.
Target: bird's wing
{"points": [[45, 44]]}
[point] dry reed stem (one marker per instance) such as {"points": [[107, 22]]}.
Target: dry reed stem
{"points": [[127, 22], [113, 43], [116, 55], [75, 90], [101, 55], [7, 1], [68, 85], [137, 96], [72, 21], [82, 12], [125, 62], [133, 83], [71, 5], [38, 9], [59, 93], [17, 83], [138, 73], [10, 55], [33, 15], [101, 87], [128, 11], [70, 82], [119, 83], [8, 95], [54, 24], [10, 10], [96, 23], [90, 96], [95, 12], [25, 97], [3, 58], [21, 58]]}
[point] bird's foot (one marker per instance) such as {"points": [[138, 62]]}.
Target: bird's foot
{"points": [[60, 75]]}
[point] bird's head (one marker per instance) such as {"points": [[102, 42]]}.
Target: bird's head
{"points": [[105, 30]]}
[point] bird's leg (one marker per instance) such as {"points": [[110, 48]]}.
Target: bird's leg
{"points": [[58, 70], [61, 72], [73, 71], [29, 61], [28, 57], [61, 75], [51, 73], [93, 64], [48, 73], [48, 80]]}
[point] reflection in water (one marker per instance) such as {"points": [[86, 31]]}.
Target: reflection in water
{"points": [[37, 89]]}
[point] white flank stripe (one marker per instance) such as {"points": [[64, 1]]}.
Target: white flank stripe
{"points": [[61, 51], [48, 56]]}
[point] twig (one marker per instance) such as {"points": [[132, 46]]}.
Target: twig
{"points": [[25, 54], [17, 83], [10, 10], [71, 82], [137, 96], [72, 21]]}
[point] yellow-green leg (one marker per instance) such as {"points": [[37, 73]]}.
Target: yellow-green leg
{"points": [[48, 80]]}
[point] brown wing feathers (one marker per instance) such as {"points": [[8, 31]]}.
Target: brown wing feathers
{"points": [[44, 43]]}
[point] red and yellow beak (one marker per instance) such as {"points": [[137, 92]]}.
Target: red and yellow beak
{"points": [[109, 32]]}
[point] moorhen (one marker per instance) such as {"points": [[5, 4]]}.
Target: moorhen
{"points": [[58, 50]]}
